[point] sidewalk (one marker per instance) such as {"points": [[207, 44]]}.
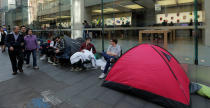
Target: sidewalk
{"points": [[58, 87]]}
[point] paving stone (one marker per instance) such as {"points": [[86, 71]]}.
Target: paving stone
{"points": [[18, 99], [198, 102], [125, 105], [42, 82], [111, 97], [135, 101], [151, 105], [93, 92], [79, 101], [11, 86], [98, 104], [76, 89]]}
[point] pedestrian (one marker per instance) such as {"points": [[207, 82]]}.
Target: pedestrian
{"points": [[112, 54], [15, 44], [31, 46], [5, 29], [2, 39], [85, 32], [23, 32]]}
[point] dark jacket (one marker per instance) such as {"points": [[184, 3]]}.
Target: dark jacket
{"points": [[3, 36], [60, 45], [23, 33], [18, 44], [88, 47]]}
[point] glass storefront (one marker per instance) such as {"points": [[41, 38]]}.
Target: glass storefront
{"points": [[167, 23]]}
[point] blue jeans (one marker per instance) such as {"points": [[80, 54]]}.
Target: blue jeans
{"points": [[28, 53], [85, 34], [107, 58]]}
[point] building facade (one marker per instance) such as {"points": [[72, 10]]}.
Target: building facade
{"points": [[121, 18]]}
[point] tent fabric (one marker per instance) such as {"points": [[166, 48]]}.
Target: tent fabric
{"points": [[152, 73], [73, 44]]}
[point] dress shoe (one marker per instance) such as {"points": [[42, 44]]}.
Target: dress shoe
{"points": [[14, 73], [21, 70]]}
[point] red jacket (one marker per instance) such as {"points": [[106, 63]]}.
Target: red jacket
{"points": [[88, 47]]}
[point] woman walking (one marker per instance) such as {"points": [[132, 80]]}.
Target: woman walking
{"points": [[2, 39], [31, 46]]}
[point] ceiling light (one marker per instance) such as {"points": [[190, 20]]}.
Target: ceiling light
{"points": [[185, 1], [96, 11], [166, 2], [134, 6], [106, 10]]}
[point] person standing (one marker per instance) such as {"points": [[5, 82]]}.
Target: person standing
{"points": [[164, 23], [191, 30], [85, 32], [23, 31], [2, 39], [15, 44], [31, 46], [5, 29]]}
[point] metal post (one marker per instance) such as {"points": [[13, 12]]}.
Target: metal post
{"points": [[196, 30], [102, 25], [60, 17], [22, 12]]}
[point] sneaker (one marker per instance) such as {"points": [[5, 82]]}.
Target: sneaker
{"points": [[27, 65], [20, 70], [54, 64], [43, 57], [102, 76], [80, 69], [77, 69], [95, 67], [72, 69], [3, 51], [49, 61], [112, 60], [36, 67]]}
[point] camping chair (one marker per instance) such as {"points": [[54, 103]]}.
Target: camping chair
{"points": [[113, 62], [64, 59]]}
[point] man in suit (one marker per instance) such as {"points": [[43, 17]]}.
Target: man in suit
{"points": [[15, 44]]}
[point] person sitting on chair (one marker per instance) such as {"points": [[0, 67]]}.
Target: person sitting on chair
{"points": [[112, 54], [58, 49], [88, 45]]}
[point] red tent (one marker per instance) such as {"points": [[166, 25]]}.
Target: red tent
{"points": [[152, 73]]}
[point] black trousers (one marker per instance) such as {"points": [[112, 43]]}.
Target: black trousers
{"points": [[16, 58], [50, 52], [78, 65]]}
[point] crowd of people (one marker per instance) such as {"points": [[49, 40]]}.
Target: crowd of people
{"points": [[22, 43]]}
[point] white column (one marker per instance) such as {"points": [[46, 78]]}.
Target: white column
{"points": [[207, 22], [87, 14], [77, 18]]}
